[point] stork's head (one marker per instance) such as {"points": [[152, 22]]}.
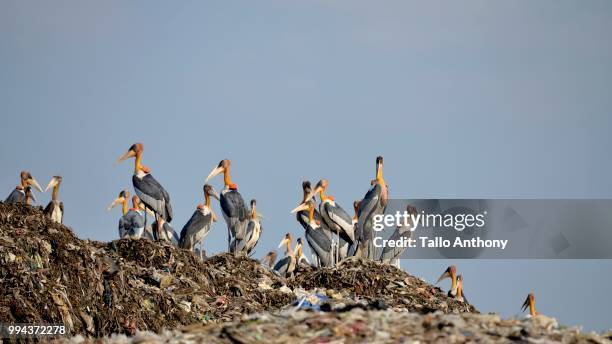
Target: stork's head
{"points": [[55, 181], [136, 204], [379, 170], [308, 205], [270, 258], [306, 188], [124, 195], [254, 209], [530, 302], [135, 150], [356, 208], [319, 188], [286, 241], [210, 191], [450, 272], [298, 248], [223, 167], [28, 180]]}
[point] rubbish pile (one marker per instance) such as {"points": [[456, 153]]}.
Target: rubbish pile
{"points": [[359, 326], [48, 275], [138, 290]]}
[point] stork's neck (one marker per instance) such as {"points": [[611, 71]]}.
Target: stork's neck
{"points": [[379, 176], [226, 176], [322, 195], [54, 194], [532, 310], [137, 161], [124, 207], [289, 248], [453, 282]]}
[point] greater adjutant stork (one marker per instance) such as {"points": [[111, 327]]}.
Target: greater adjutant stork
{"points": [[320, 243], [286, 265], [18, 195], [334, 217], [373, 203], [151, 193], [132, 223], [232, 204], [200, 223], [253, 232], [55, 208]]}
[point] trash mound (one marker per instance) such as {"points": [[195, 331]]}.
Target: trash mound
{"points": [[359, 326], [372, 281], [48, 275]]}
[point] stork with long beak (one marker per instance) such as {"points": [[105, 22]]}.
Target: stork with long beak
{"points": [[18, 195], [320, 243], [373, 203], [450, 272], [132, 223], [391, 255], [286, 265], [269, 259], [232, 205], [200, 223], [530, 302], [148, 189], [299, 254], [55, 208], [253, 232], [334, 217]]}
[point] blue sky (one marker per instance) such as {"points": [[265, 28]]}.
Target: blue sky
{"points": [[473, 99]]}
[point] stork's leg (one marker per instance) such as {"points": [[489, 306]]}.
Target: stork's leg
{"points": [[337, 246]]}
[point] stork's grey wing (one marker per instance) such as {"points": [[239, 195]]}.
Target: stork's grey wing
{"points": [[390, 253], [282, 265], [15, 197], [48, 209], [196, 223], [342, 219], [153, 195]]}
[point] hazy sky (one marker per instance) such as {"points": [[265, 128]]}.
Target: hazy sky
{"points": [[484, 99]]}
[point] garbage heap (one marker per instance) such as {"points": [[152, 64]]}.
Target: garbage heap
{"points": [[144, 288]]}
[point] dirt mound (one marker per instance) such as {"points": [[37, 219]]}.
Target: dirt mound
{"points": [[48, 275]]}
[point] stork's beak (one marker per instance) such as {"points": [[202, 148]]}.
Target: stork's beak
{"points": [[449, 273], [214, 194], [303, 206], [129, 154], [52, 184], [526, 303], [283, 242], [116, 201], [216, 171], [35, 184], [315, 191]]}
